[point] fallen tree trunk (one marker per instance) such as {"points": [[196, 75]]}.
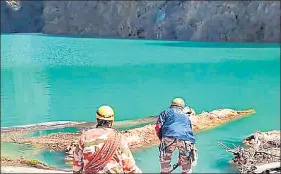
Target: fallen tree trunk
{"points": [[261, 153], [136, 138]]}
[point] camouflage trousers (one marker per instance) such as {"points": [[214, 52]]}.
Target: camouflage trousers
{"points": [[168, 146]]}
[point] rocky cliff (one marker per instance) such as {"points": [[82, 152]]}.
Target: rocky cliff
{"points": [[22, 17], [243, 21]]}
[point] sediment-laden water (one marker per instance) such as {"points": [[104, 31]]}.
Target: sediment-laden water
{"points": [[46, 78]]}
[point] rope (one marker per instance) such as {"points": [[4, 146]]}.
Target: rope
{"points": [[104, 155]]}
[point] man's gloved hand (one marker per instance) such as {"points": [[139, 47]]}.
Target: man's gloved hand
{"points": [[158, 131], [179, 162], [187, 110]]}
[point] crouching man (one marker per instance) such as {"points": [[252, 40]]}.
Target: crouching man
{"points": [[174, 129]]}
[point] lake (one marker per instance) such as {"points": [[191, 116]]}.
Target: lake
{"points": [[49, 78]]}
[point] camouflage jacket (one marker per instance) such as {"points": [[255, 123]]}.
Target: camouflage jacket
{"points": [[91, 141]]}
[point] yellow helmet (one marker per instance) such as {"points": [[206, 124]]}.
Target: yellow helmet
{"points": [[178, 102], [105, 113]]}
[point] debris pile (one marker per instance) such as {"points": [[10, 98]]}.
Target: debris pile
{"points": [[261, 153]]}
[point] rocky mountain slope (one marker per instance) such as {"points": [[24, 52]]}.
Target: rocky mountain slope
{"points": [[243, 21]]}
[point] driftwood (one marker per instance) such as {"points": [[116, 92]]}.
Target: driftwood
{"points": [[261, 153]]}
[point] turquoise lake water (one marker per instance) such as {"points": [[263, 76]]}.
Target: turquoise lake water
{"points": [[47, 78]]}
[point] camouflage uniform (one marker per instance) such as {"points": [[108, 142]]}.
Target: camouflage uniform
{"points": [[92, 140], [168, 146]]}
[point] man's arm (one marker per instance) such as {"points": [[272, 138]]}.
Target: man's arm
{"points": [[159, 123], [78, 158], [127, 159]]}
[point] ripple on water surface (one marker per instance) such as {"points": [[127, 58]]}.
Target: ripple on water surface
{"points": [[16, 150], [52, 131]]}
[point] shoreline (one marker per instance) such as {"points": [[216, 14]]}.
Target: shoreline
{"points": [[244, 43], [21, 165], [9, 165]]}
